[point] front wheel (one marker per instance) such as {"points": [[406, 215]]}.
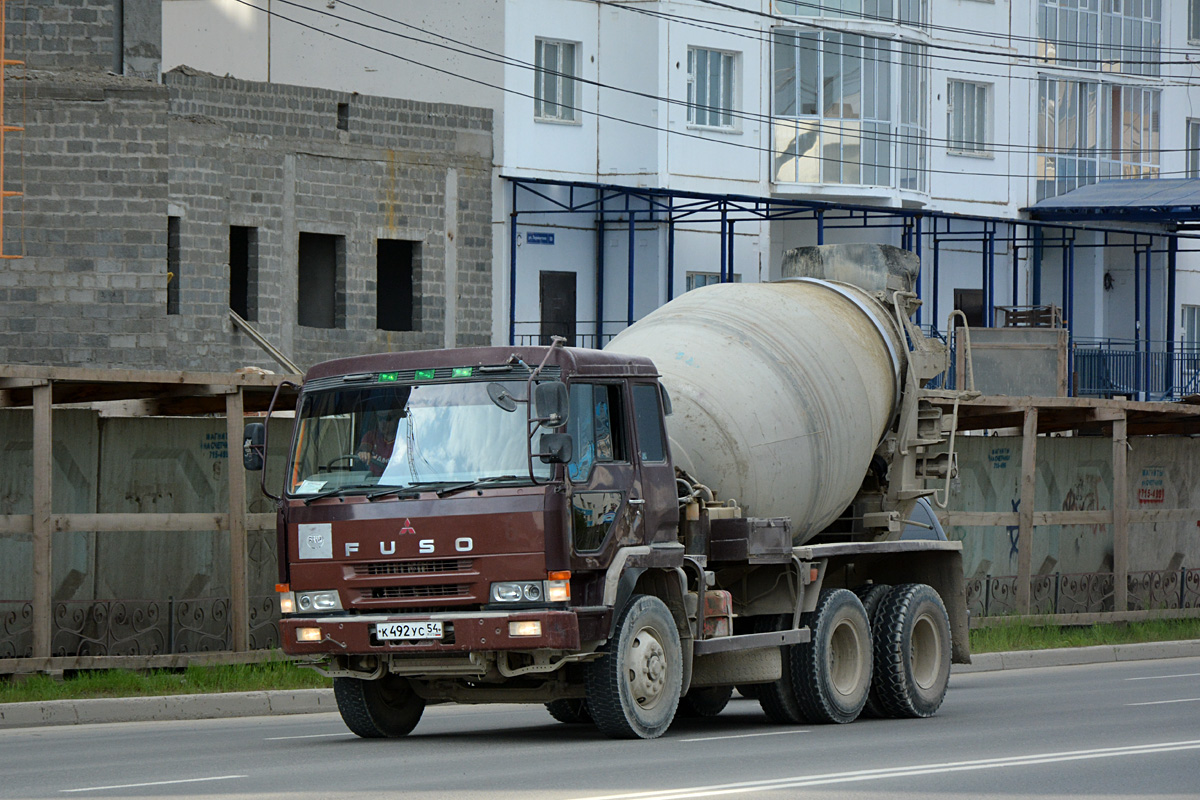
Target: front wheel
{"points": [[633, 690], [832, 673], [386, 707], [912, 652]]}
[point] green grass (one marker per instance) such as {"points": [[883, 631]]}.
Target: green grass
{"points": [[1023, 636], [131, 683]]}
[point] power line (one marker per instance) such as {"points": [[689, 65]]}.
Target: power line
{"points": [[899, 138]]}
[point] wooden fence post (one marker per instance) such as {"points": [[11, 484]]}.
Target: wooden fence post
{"points": [[1025, 513], [43, 533], [1120, 496], [238, 573]]}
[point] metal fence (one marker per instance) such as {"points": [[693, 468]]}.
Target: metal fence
{"points": [[1117, 368]]}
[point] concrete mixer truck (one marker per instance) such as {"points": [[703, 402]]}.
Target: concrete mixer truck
{"points": [[715, 500]]}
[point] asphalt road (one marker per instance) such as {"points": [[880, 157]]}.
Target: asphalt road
{"points": [[1127, 729]]}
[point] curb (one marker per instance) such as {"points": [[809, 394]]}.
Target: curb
{"points": [[1075, 656], [311, 701], [173, 707]]}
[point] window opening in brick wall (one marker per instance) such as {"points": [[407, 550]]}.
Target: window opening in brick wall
{"points": [[395, 275], [173, 265], [343, 116], [243, 271], [321, 277]]}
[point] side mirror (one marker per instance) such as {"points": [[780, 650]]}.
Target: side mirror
{"points": [[557, 448], [551, 405], [252, 446]]}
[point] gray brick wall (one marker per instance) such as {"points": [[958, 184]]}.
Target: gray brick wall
{"points": [[104, 160], [61, 34]]}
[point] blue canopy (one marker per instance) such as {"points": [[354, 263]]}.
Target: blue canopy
{"points": [[1160, 200]]}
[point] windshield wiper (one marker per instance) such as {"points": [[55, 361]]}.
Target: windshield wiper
{"points": [[472, 484], [337, 490]]}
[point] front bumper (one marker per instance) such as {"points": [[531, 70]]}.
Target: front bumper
{"points": [[463, 632]]}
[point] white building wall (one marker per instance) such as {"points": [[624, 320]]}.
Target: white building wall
{"points": [[644, 140]]}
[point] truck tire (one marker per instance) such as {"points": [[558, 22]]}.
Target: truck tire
{"points": [[912, 652], [706, 702], [871, 594], [749, 690], [832, 673], [383, 708], [633, 690], [569, 711], [778, 699]]}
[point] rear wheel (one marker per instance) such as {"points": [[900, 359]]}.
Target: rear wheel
{"points": [[569, 711], [832, 673], [871, 594], [778, 699], [706, 702], [912, 652], [376, 709], [633, 691]]}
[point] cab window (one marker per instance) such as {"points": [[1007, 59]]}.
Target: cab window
{"points": [[648, 420], [595, 427]]}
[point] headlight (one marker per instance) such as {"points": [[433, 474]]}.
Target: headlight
{"points": [[553, 591], [318, 601]]}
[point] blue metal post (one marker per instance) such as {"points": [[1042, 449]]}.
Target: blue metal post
{"points": [[1036, 277], [1149, 322], [991, 242], [1172, 252], [512, 271], [936, 278], [600, 264], [670, 258], [629, 304], [1070, 313], [1137, 303], [821, 227], [724, 252], [729, 260]]}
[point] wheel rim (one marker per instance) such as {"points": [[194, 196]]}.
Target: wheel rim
{"points": [[926, 652], [845, 658], [647, 668]]}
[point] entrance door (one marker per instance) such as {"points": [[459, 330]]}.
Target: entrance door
{"points": [[558, 306]]}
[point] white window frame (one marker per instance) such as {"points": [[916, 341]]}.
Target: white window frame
{"points": [[1193, 148], [694, 280], [969, 127], [1193, 21], [723, 107], [1189, 335], [560, 79]]}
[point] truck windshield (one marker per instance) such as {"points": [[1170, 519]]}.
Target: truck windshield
{"points": [[398, 436]]}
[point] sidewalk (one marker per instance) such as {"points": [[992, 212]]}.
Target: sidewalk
{"points": [[308, 701]]}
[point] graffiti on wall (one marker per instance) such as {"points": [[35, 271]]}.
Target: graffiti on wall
{"points": [[1085, 496]]}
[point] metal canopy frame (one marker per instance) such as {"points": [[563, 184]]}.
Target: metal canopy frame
{"points": [[920, 229]]}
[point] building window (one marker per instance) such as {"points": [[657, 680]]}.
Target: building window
{"points": [[321, 281], [243, 271], [1193, 148], [174, 265], [694, 280], [832, 117], [1191, 328], [909, 12], [1129, 140], [710, 88], [555, 71], [968, 117], [1194, 20], [395, 277], [1109, 35]]}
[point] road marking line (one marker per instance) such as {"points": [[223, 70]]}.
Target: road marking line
{"points": [[153, 783], [777, 784], [1166, 702], [307, 736], [1165, 677], [742, 736]]}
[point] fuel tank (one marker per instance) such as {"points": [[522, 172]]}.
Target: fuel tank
{"points": [[781, 391]]}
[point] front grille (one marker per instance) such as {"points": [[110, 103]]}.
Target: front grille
{"points": [[416, 567], [417, 592]]}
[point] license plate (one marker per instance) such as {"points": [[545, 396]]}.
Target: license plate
{"points": [[408, 631]]}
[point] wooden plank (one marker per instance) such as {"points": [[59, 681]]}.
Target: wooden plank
{"points": [[978, 519], [141, 522], [1153, 515], [1120, 495], [16, 523], [1072, 518], [238, 557], [43, 537], [1025, 511]]}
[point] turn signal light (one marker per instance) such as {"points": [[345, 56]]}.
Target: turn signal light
{"points": [[530, 627], [558, 591], [308, 634]]}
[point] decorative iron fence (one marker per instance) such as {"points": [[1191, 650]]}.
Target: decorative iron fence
{"points": [[1084, 592]]}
